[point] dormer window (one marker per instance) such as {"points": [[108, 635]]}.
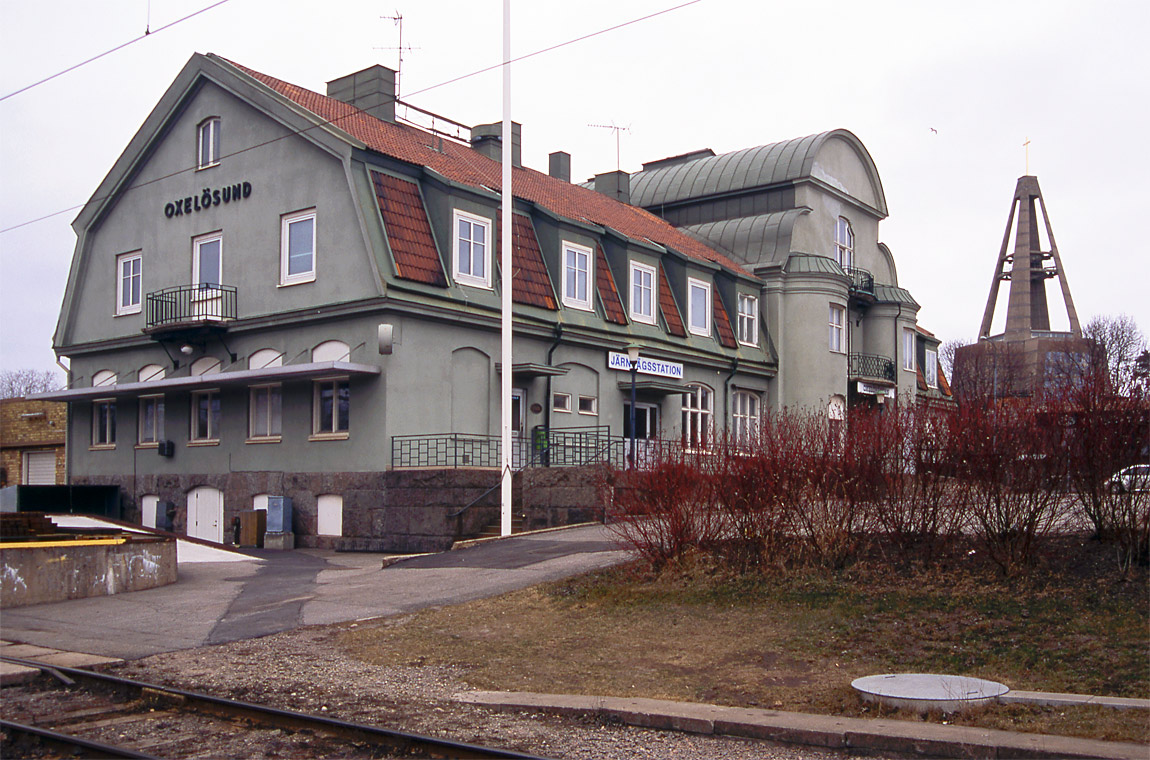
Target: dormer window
{"points": [[748, 320], [642, 293], [208, 143], [577, 276], [698, 307], [844, 243], [471, 253]]}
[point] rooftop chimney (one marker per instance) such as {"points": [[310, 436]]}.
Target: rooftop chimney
{"points": [[559, 165], [488, 140], [371, 90], [616, 184]]}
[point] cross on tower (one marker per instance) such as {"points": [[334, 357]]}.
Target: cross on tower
{"points": [[1027, 146]]}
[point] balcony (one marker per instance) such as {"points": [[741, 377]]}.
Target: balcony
{"points": [[871, 367], [189, 309], [862, 285]]}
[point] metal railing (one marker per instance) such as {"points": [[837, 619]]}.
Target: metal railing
{"points": [[191, 303], [566, 447], [862, 281], [873, 366]]}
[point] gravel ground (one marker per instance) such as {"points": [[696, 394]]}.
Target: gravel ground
{"points": [[304, 670]]}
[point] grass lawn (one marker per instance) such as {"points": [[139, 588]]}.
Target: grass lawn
{"points": [[795, 641]]}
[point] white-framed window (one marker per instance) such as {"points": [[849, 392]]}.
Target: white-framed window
{"points": [[745, 417], [205, 417], [266, 357], [844, 243], [331, 407], [151, 423], [748, 319], [908, 349], [208, 260], [297, 248], [208, 143], [329, 512], [930, 370], [471, 249], [588, 405], [129, 283], [561, 402], [698, 306], [836, 322], [150, 373], [104, 423], [265, 411], [698, 407], [643, 293], [577, 263], [104, 377]]}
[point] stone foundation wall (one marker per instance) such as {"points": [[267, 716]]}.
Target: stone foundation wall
{"points": [[555, 496]]}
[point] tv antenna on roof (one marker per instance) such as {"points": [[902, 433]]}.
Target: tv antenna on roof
{"points": [[616, 129], [398, 19]]}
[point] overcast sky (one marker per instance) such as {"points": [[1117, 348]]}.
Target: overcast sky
{"points": [[1073, 77]]}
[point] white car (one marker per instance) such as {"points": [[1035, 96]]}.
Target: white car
{"points": [[1133, 478]]}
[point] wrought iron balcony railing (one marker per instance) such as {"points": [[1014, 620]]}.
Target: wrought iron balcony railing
{"points": [[872, 366], [187, 304], [862, 281]]}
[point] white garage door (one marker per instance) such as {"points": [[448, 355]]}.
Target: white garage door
{"points": [[40, 468]]}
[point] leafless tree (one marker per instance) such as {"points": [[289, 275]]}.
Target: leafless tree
{"points": [[946, 354], [23, 382], [1119, 344]]}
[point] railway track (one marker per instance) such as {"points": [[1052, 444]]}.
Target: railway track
{"points": [[83, 713]]}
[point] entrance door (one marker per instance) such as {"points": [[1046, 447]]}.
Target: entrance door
{"points": [[206, 514], [646, 432], [520, 446]]}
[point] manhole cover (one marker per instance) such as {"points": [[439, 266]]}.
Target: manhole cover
{"points": [[928, 691]]}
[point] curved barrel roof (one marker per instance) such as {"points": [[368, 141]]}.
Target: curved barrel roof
{"points": [[744, 169], [752, 240]]}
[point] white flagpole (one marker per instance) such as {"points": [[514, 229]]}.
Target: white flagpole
{"points": [[505, 322]]}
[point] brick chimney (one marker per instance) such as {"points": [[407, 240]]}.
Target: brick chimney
{"points": [[488, 140], [371, 90]]}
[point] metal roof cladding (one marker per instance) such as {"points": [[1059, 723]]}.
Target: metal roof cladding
{"points": [[756, 241], [744, 169]]}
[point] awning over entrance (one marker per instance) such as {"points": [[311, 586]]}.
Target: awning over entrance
{"points": [[657, 387], [214, 380], [533, 369]]}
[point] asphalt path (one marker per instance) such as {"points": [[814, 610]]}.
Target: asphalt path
{"points": [[217, 602]]}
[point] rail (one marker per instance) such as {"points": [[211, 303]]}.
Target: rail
{"points": [[872, 366], [191, 303], [862, 281], [400, 742]]}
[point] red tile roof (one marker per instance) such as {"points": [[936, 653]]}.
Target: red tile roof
{"points": [[608, 293], [466, 166], [529, 281], [408, 231], [723, 322], [667, 306]]}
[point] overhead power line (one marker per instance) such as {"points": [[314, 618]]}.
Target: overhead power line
{"points": [[147, 33], [295, 133]]}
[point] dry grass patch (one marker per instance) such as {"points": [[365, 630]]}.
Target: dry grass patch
{"points": [[796, 642]]}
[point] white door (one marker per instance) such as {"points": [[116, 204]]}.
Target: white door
{"points": [[520, 446], [40, 468], [646, 432], [148, 506], [206, 514], [330, 512]]}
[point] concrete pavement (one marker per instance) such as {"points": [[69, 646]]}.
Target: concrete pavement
{"points": [[217, 602]]}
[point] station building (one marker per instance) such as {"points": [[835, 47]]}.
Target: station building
{"points": [[278, 293]]}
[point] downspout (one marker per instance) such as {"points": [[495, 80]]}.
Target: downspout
{"points": [[67, 425], [727, 392], [547, 402]]}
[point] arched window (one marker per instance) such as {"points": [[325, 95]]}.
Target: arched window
{"points": [[205, 365], [104, 377], [150, 373], [844, 243], [698, 407], [264, 358], [331, 351]]}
